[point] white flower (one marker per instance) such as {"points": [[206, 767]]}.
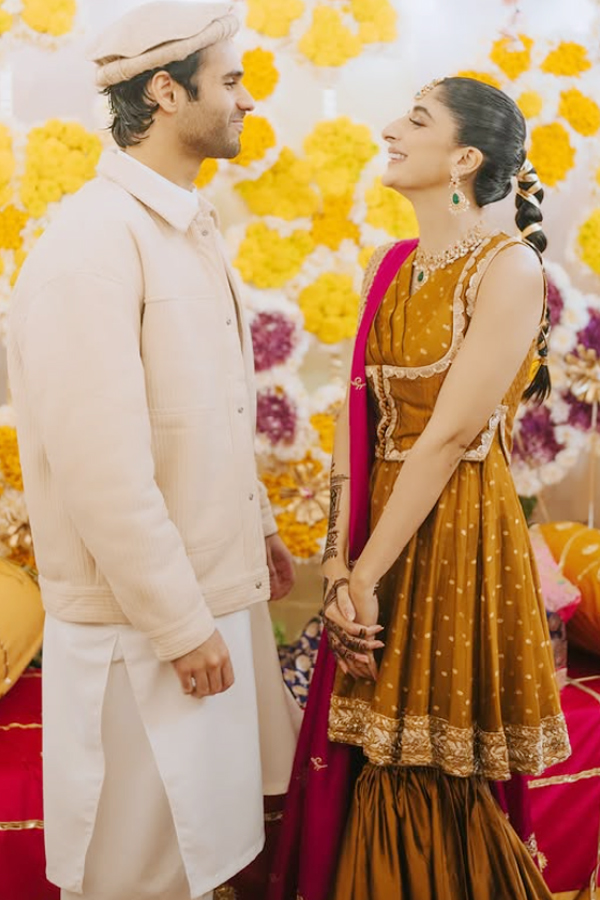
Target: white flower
{"points": [[562, 340]]}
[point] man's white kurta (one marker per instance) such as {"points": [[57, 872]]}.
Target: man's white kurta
{"points": [[206, 752]]}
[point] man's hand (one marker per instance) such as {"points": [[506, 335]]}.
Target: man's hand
{"points": [[206, 670], [281, 567]]}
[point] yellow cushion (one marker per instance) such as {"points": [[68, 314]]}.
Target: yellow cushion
{"points": [[21, 623], [576, 548]]}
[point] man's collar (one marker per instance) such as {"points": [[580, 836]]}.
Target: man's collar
{"points": [[173, 203]]}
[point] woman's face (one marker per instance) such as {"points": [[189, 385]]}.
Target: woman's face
{"points": [[422, 146]]}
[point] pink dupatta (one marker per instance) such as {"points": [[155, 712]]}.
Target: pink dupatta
{"points": [[324, 772]]}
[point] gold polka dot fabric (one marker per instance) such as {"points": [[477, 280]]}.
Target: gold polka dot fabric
{"points": [[466, 680]]}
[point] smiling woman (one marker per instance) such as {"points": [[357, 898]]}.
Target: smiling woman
{"points": [[443, 676]]}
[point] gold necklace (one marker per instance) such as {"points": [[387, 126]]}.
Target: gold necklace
{"points": [[426, 263]]}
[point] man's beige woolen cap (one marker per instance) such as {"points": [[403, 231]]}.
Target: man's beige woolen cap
{"points": [[156, 34]]}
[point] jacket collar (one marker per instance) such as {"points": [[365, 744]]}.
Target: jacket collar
{"points": [[173, 203]]}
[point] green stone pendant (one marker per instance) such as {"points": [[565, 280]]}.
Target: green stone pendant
{"points": [[421, 277], [455, 199]]}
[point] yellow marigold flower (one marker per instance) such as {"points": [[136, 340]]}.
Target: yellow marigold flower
{"points": [[331, 224], [551, 153], [301, 539], [330, 307], [9, 458], [328, 42], [387, 209], [324, 425], [6, 21], [338, 151], [377, 20], [7, 164], [588, 241], [581, 112], [260, 73], [284, 190], [530, 103], [272, 17], [54, 17], [484, 77], [59, 158], [257, 137], [12, 222], [513, 62], [268, 260], [568, 59], [365, 255], [208, 170]]}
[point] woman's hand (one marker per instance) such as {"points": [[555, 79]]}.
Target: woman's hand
{"points": [[351, 641]]}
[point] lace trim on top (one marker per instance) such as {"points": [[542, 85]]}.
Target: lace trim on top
{"points": [[458, 329], [483, 266]]}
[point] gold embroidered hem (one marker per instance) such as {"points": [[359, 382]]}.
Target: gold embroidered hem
{"points": [[431, 741]]}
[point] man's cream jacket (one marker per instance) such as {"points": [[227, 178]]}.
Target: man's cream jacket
{"points": [[131, 373]]}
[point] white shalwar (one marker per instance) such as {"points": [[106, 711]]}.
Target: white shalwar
{"points": [[150, 794]]}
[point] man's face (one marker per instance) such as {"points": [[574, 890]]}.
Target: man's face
{"points": [[212, 125]]}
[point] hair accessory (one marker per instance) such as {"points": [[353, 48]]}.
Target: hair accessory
{"points": [[529, 177], [429, 87]]}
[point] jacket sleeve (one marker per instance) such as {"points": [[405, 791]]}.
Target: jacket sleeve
{"points": [[85, 379], [268, 519]]}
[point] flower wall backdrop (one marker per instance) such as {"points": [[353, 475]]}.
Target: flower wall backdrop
{"points": [[303, 207]]}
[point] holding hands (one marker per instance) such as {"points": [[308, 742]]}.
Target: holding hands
{"points": [[349, 614]]}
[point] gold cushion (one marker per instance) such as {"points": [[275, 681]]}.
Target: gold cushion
{"points": [[21, 623], [576, 548]]}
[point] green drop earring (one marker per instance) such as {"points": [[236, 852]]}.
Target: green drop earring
{"points": [[459, 202]]}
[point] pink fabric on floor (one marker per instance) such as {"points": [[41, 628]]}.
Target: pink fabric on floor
{"points": [[566, 811]]}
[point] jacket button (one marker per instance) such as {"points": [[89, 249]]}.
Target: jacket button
{"points": [[205, 233], [228, 321], [240, 409], [258, 585], [250, 496]]}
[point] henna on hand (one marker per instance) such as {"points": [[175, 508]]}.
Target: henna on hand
{"points": [[337, 484]]}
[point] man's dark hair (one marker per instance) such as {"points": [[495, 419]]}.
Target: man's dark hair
{"points": [[132, 108]]}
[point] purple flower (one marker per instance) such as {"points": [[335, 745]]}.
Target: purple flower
{"points": [[580, 413], [276, 417], [536, 442], [272, 338], [590, 335], [555, 303]]}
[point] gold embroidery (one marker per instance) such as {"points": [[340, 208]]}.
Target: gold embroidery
{"points": [[430, 741], [563, 779], [20, 725], [534, 851], [225, 892], [317, 763], [5, 655], [28, 825]]}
